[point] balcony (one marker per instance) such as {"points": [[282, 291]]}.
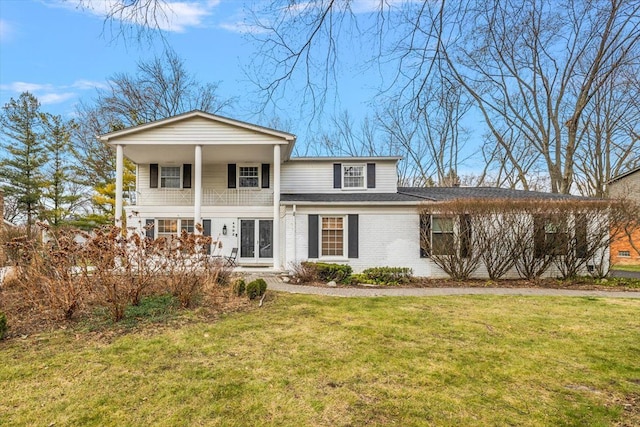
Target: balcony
{"points": [[210, 197]]}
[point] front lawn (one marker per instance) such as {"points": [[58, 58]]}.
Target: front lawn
{"points": [[307, 360], [626, 267]]}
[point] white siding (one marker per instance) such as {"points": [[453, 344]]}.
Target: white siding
{"points": [[317, 177], [198, 130], [387, 237], [627, 187], [214, 176]]}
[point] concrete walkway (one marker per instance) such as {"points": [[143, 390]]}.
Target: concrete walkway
{"points": [[276, 285]]}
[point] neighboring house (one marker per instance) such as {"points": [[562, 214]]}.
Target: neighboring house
{"points": [[240, 182], [626, 186]]}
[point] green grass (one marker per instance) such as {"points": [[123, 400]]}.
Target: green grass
{"points": [[626, 267], [305, 360]]}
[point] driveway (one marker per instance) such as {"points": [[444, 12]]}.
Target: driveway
{"points": [[625, 274]]}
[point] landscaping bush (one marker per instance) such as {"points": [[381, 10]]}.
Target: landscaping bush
{"points": [[327, 272], [3, 325], [305, 272], [388, 275], [256, 288], [239, 287]]}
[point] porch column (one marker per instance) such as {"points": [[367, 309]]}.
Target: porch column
{"points": [[119, 184], [197, 187], [276, 207]]}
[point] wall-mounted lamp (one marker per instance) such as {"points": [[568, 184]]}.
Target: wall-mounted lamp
{"points": [[224, 229]]}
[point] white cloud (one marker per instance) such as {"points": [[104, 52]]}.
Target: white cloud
{"points": [[6, 31], [51, 94], [88, 84], [243, 27], [26, 87], [55, 98], [172, 16]]}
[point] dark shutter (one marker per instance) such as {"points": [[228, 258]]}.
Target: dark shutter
{"points": [[353, 236], [206, 231], [149, 226], [153, 175], [313, 236], [465, 236], [539, 245], [231, 175], [265, 175], [581, 236], [371, 175], [425, 236], [337, 175], [186, 175]]}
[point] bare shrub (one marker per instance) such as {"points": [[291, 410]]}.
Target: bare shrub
{"points": [[529, 235], [46, 273], [447, 237], [304, 272]]}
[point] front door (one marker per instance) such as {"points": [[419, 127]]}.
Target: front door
{"points": [[256, 240]]}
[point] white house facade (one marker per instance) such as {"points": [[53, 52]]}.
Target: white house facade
{"points": [[240, 182]]}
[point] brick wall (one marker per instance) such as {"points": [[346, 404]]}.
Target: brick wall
{"points": [[627, 187]]}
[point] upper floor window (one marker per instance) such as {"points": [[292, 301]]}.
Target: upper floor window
{"points": [[353, 176], [248, 177], [170, 177]]}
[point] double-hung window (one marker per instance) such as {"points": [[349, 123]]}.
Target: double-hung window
{"points": [[248, 177], [170, 177], [332, 236], [353, 176], [442, 238], [186, 225]]}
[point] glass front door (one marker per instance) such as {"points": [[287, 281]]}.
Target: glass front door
{"points": [[256, 239]]}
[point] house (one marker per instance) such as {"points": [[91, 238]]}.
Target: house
{"points": [[624, 251], [240, 181]]}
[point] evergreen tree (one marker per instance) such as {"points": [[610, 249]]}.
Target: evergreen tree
{"points": [[21, 169], [59, 199]]}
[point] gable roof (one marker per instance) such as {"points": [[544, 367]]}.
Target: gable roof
{"points": [[624, 175], [196, 113]]}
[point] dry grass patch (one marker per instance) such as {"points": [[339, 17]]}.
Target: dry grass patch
{"points": [[307, 360]]}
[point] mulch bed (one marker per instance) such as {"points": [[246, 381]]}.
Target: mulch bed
{"points": [[585, 284]]}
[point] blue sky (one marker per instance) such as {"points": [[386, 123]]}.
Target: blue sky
{"points": [[62, 52]]}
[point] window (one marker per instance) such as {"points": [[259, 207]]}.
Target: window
{"points": [[332, 236], [167, 228], [624, 254], [248, 177], [353, 176], [551, 236], [186, 225], [442, 240], [170, 177]]}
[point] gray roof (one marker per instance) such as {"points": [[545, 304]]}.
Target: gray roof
{"points": [[416, 195], [451, 193], [364, 197], [623, 175]]}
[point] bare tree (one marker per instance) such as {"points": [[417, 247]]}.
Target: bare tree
{"points": [[536, 70]]}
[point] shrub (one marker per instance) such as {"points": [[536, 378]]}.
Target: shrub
{"points": [[305, 272], [327, 272], [3, 325], [239, 287], [256, 288], [388, 275]]}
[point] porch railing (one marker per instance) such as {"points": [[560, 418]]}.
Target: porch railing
{"points": [[210, 197]]}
